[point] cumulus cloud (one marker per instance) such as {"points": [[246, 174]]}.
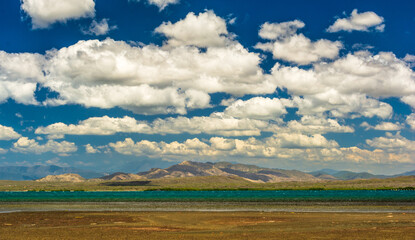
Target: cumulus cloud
{"points": [[96, 126], [203, 30], [26, 145], [410, 100], [99, 28], [358, 22], [19, 82], [298, 140], [351, 84], [8, 133], [410, 120], [129, 147], [274, 31], [90, 149], [393, 143], [410, 59], [278, 147], [216, 124], [218, 146], [383, 126], [161, 4], [310, 124], [145, 79], [258, 108], [285, 44], [46, 12], [148, 79]]}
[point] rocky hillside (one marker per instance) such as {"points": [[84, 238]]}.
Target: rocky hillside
{"points": [[68, 177], [120, 176], [248, 172]]}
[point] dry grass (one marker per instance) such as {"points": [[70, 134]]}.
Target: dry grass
{"points": [[212, 182], [206, 225]]}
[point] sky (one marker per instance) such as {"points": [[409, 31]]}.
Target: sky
{"points": [[109, 85]]}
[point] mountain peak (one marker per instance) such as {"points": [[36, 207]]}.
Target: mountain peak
{"points": [[249, 172], [186, 163], [67, 177]]}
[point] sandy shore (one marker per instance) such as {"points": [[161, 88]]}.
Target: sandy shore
{"points": [[207, 220], [206, 225], [407, 207]]}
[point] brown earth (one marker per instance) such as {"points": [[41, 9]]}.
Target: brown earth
{"points": [[206, 225], [67, 177]]}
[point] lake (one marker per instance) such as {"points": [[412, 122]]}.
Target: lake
{"points": [[200, 196]]}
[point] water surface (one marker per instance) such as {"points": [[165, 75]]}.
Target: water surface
{"points": [[238, 196]]}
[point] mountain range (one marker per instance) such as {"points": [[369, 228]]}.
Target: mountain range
{"points": [[188, 169], [40, 171]]}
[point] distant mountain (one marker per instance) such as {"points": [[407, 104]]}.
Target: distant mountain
{"points": [[67, 177], [133, 165], [329, 171], [248, 172], [323, 175], [39, 171], [331, 174], [119, 176], [347, 175], [410, 173], [188, 169]]}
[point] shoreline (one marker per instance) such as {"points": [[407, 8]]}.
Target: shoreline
{"points": [[356, 207]]}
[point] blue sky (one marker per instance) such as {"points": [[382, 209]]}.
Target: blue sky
{"points": [[109, 84]]}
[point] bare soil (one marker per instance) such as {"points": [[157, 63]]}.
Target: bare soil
{"points": [[206, 225]]}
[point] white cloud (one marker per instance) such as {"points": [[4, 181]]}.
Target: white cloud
{"points": [[298, 140], [99, 28], [315, 125], [378, 156], [410, 100], [145, 79], [251, 147], [161, 4], [216, 124], [8, 133], [341, 105], [26, 145], [393, 143], [296, 48], [19, 82], [149, 79], [97, 126], [410, 59], [203, 30], [46, 12], [90, 149], [129, 147], [274, 31], [279, 147], [358, 22], [56, 161], [257, 108], [410, 120], [383, 126], [350, 84]]}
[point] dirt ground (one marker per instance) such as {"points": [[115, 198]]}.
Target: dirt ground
{"points": [[206, 225]]}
